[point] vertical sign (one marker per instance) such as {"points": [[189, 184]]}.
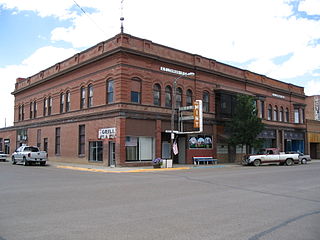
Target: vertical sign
{"points": [[197, 115]]}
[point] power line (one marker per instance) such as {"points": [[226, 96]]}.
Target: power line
{"points": [[89, 17]]}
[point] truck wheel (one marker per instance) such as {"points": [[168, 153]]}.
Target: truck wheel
{"points": [[303, 161], [256, 163], [25, 162], [42, 163], [289, 162], [13, 161]]}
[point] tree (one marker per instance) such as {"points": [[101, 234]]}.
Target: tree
{"points": [[245, 125]]}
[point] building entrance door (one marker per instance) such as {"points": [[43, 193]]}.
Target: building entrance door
{"points": [[182, 149], [112, 154]]}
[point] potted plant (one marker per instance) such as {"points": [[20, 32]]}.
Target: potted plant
{"points": [[157, 162]]}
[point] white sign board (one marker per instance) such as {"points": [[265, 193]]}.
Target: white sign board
{"points": [[107, 133]]}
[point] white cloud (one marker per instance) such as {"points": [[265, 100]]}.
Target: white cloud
{"points": [[312, 88], [311, 7], [38, 61], [57, 8], [231, 30]]}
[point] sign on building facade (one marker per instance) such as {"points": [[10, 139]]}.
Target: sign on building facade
{"points": [[107, 133]]}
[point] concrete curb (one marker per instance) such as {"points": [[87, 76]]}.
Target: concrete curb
{"points": [[120, 170]]}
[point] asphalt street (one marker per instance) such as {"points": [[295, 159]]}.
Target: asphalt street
{"points": [[250, 203]]}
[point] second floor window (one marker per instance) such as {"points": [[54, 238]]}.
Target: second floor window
{"points": [[205, 101], [179, 97], [261, 114], [270, 112], [168, 102], [90, 95], [35, 109], [157, 95], [21, 112], [287, 115], [31, 110], [110, 91], [296, 115], [189, 100], [281, 114], [68, 99], [82, 97], [49, 105], [45, 106], [62, 99], [136, 90], [275, 113]]}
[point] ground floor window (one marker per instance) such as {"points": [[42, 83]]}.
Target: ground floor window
{"points": [[96, 151], [139, 148], [200, 142]]}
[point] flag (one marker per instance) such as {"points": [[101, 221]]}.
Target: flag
{"points": [[175, 148]]}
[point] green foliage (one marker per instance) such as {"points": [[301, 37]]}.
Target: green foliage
{"points": [[245, 125]]}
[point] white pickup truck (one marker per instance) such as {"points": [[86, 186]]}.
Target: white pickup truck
{"points": [[28, 155], [271, 156]]}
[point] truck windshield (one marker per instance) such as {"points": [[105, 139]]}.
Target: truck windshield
{"points": [[262, 151]]}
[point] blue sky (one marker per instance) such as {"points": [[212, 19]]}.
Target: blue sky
{"points": [[276, 38]]}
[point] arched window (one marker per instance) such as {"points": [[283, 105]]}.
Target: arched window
{"points": [[205, 101], [189, 98], [68, 99], [62, 100], [31, 110], [157, 95], [168, 100], [35, 109], [136, 90], [275, 113], [90, 95], [82, 97], [110, 91], [287, 115], [179, 97], [281, 115], [270, 112], [49, 105], [45, 106]]}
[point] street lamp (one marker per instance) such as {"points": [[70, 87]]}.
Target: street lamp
{"points": [[174, 107]]}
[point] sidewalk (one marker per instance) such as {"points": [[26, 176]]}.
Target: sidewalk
{"points": [[104, 169]]}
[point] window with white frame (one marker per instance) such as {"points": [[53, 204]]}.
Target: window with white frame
{"points": [[139, 148], [296, 115]]}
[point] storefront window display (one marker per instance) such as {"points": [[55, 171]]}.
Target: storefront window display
{"points": [[200, 142]]}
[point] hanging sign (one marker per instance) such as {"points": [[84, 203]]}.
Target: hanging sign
{"points": [[197, 114]]}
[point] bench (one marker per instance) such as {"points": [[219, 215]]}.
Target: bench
{"points": [[204, 160]]}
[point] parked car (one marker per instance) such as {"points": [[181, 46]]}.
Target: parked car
{"points": [[29, 154], [271, 156], [303, 158], [3, 156]]}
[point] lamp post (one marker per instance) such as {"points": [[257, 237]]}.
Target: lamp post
{"points": [[174, 107]]}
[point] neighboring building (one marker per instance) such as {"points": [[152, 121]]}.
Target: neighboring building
{"points": [[313, 125], [111, 104]]}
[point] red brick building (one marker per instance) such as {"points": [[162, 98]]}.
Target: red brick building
{"points": [[111, 104], [313, 125]]}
